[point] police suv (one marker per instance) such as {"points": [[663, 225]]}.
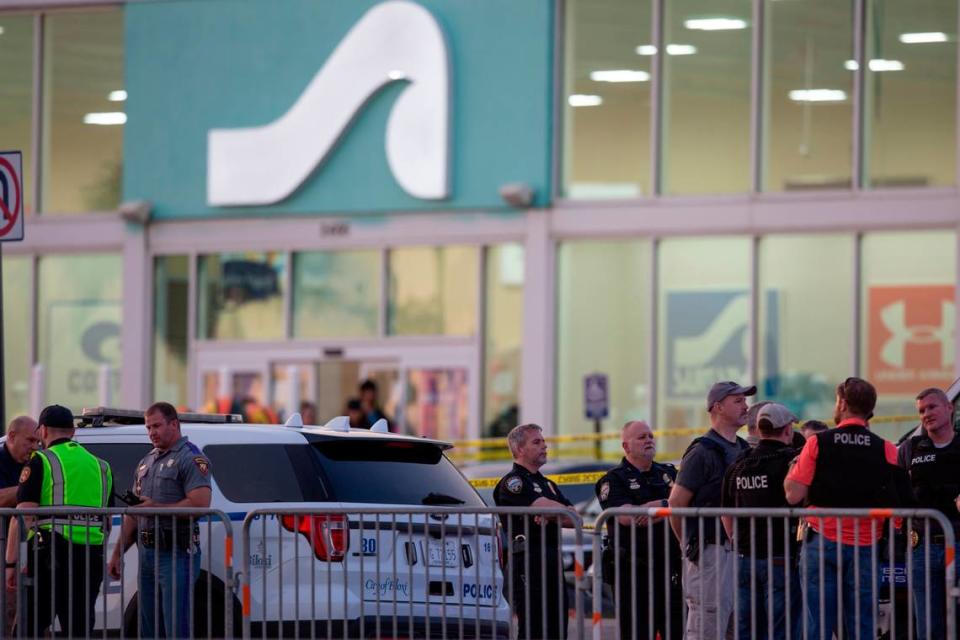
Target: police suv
{"points": [[322, 570]]}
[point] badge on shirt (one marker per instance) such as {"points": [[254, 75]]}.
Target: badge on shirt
{"points": [[605, 491], [169, 463], [514, 484], [201, 463], [24, 474], [537, 488], [634, 485], [668, 479]]}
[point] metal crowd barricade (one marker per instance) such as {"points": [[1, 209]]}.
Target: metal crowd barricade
{"points": [[72, 582], [449, 572], [774, 586]]}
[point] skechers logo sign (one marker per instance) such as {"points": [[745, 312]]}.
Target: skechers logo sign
{"points": [[859, 439], [394, 41], [752, 482]]}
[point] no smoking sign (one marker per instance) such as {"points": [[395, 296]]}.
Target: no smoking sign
{"points": [[11, 196]]}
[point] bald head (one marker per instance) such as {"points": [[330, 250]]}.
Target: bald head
{"points": [[639, 445], [23, 438]]}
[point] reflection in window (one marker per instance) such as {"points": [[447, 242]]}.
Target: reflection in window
{"points": [[908, 325], [433, 291], [170, 303], [336, 294], [16, 94], [79, 316], [241, 296], [17, 335], [911, 89], [83, 111], [805, 333], [437, 403], [809, 138], [504, 338], [707, 97], [603, 326], [704, 306], [607, 120]]}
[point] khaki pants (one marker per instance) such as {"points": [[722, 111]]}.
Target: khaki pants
{"points": [[708, 591]]}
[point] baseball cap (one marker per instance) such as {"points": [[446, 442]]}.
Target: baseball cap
{"points": [[57, 417], [778, 415], [721, 390]]}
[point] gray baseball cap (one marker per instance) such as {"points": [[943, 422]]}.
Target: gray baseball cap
{"points": [[778, 415], [721, 390]]}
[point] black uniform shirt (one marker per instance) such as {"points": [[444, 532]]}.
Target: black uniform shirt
{"points": [[935, 474], [520, 488], [9, 469], [627, 485], [756, 480]]}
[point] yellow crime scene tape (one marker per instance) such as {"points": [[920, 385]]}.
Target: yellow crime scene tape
{"points": [[495, 449]]}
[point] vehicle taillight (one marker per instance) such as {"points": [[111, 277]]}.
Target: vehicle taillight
{"points": [[329, 534]]}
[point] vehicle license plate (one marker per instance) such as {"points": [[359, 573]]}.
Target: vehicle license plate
{"points": [[443, 555]]}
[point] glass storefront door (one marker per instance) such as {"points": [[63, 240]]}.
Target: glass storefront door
{"points": [[427, 390]]}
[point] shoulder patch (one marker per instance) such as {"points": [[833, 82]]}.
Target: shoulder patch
{"points": [[604, 491], [25, 474], [514, 484], [202, 464]]}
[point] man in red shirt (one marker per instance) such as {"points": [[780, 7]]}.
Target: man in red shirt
{"points": [[846, 467]]}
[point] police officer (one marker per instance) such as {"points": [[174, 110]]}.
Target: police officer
{"points": [[65, 559], [174, 475], [933, 461], [755, 480], [846, 467], [638, 544], [539, 595]]}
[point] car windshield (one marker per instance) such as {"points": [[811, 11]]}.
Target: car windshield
{"points": [[392, 472]]}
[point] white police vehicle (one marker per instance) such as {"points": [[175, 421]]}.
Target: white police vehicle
{"points": [[354, 575]]}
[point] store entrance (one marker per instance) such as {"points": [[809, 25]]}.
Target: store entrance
{"points": [[430, 393]]}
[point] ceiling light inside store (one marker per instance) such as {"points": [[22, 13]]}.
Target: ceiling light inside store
{"points": [[1, 31], [877, 64], [715, 24], [922, 38], [619, 75], [818, 95], [117, 96], [584, 100], [672, 50], [105, 118]]}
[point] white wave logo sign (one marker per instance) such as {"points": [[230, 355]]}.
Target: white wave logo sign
{"points": [[393, 41]]}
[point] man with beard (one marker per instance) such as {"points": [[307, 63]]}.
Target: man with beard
{"points": [[651, 553]]}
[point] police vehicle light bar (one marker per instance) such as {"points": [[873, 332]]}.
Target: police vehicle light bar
{"points": [[100, 416]]}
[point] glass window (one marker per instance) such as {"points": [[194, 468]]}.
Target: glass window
{"points": [[83, 111], [607, 125], [805, 329], [123, 460], [809, 100], [79, 316], [265, 472], [704, 307], [603, 326], [336, 294], [908, 324], [707, 97], [392, 473], [17, 334], [16, 94], [436, 403], [171, 294], [912, 93], [241, 296], [433, 291], [504, 337]]}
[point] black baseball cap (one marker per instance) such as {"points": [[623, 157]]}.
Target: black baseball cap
{"points": [[721, 390], [57, 417]]}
